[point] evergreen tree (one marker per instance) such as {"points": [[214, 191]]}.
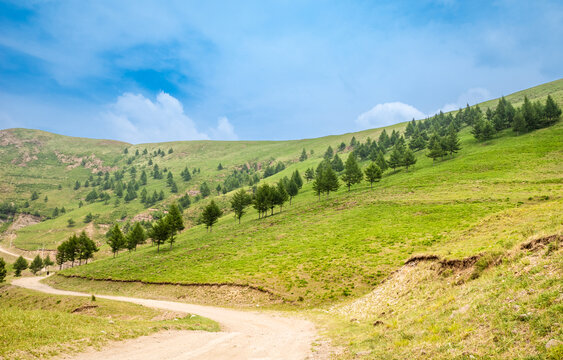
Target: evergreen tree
{"points": [[186, 174], [135, 237], [220, 167], [48, 262], [176, 220], [160, 232], [239, 202], [303, 156], [116, 240], [263, 199], [383, 140], [519, 124], [325, 181], [292, 190], [337, 164], [169, 178], [210, 215], [342, 146], [373, 173], [396, 157], [552, 111], [435, 149], [88, 218], [85, 247], [381, 162], [409, 130], [19, 266], [353, 174], [36, 265], [204, 190], [451, 141], [173, 187], [309, 174], [328, 153], [280, 196], [408, 159], [3, 270], [353, 141], [297, 179], [529, 114], [76, 186]]}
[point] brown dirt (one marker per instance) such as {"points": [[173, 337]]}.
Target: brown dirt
{"points": [[244, 335], [22, 221]]}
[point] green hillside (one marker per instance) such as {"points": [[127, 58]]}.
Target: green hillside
{"points": [[482, 202]]}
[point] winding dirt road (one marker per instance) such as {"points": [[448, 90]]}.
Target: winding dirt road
{"points": [[243, 335]]}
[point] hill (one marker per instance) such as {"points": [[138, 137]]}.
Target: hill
{"points": [[324, 252]]}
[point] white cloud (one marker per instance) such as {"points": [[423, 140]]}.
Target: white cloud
{"points": [[388, 114], [138, 119], [224, 130], [471, 97]]}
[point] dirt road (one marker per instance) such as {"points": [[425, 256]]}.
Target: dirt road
{"points": [[244, 335], [6, 251]]}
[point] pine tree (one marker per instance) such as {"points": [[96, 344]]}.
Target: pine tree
{"points": [[239, 202], [435, 149], [210, 215], [381, 162], [353, 173], [337, 164], [3, 270], [48, 262], [169, 178], [303, 156], [328, 153], [135, 237], [204, 190], [309, 174], [330, 182], [173, 187], [36, 265], [373, 173], [160, 232], [19, 265], [296, 177], [552, 111], [408, 159], [115, 240], [383, 140], [529, 114], [396, 158], [409, 130], [280, 196], [292, 190], [176, 220], [451, 141], [220, 167], [519, 124]]}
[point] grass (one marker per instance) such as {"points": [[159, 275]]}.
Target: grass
{"points": [[36, 325], [510, 311], [319, 251]]}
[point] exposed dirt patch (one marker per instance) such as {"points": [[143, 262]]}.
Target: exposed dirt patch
{"points": [[89, 162], [168, 315], [23, 220], [84, 309], [27, 148], [541, 242], [206, 293]]}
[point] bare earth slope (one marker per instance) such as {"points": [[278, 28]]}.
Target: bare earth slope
{"points": [[244, 335]]}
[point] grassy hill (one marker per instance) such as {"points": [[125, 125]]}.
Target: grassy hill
{"points": [[484, 201]]}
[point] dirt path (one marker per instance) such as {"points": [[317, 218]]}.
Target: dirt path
{"points": [[244, 335], [6, 251]]}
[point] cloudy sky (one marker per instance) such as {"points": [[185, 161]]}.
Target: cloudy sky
{"points": [[143, 71]]}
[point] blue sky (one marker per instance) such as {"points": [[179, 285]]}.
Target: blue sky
{"points": [[143, 71]]}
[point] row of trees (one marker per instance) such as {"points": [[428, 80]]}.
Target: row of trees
{"points": [[530, 116], [80, 248], [21, 264]]}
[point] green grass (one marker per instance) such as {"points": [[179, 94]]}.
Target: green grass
{"points": [[36, 325], [318, 251], [509, 312]]}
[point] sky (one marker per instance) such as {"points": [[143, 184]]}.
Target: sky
{"points": [[153, 71]]}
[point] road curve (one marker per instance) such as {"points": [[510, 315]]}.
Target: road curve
{"points": [[243, 335]]}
